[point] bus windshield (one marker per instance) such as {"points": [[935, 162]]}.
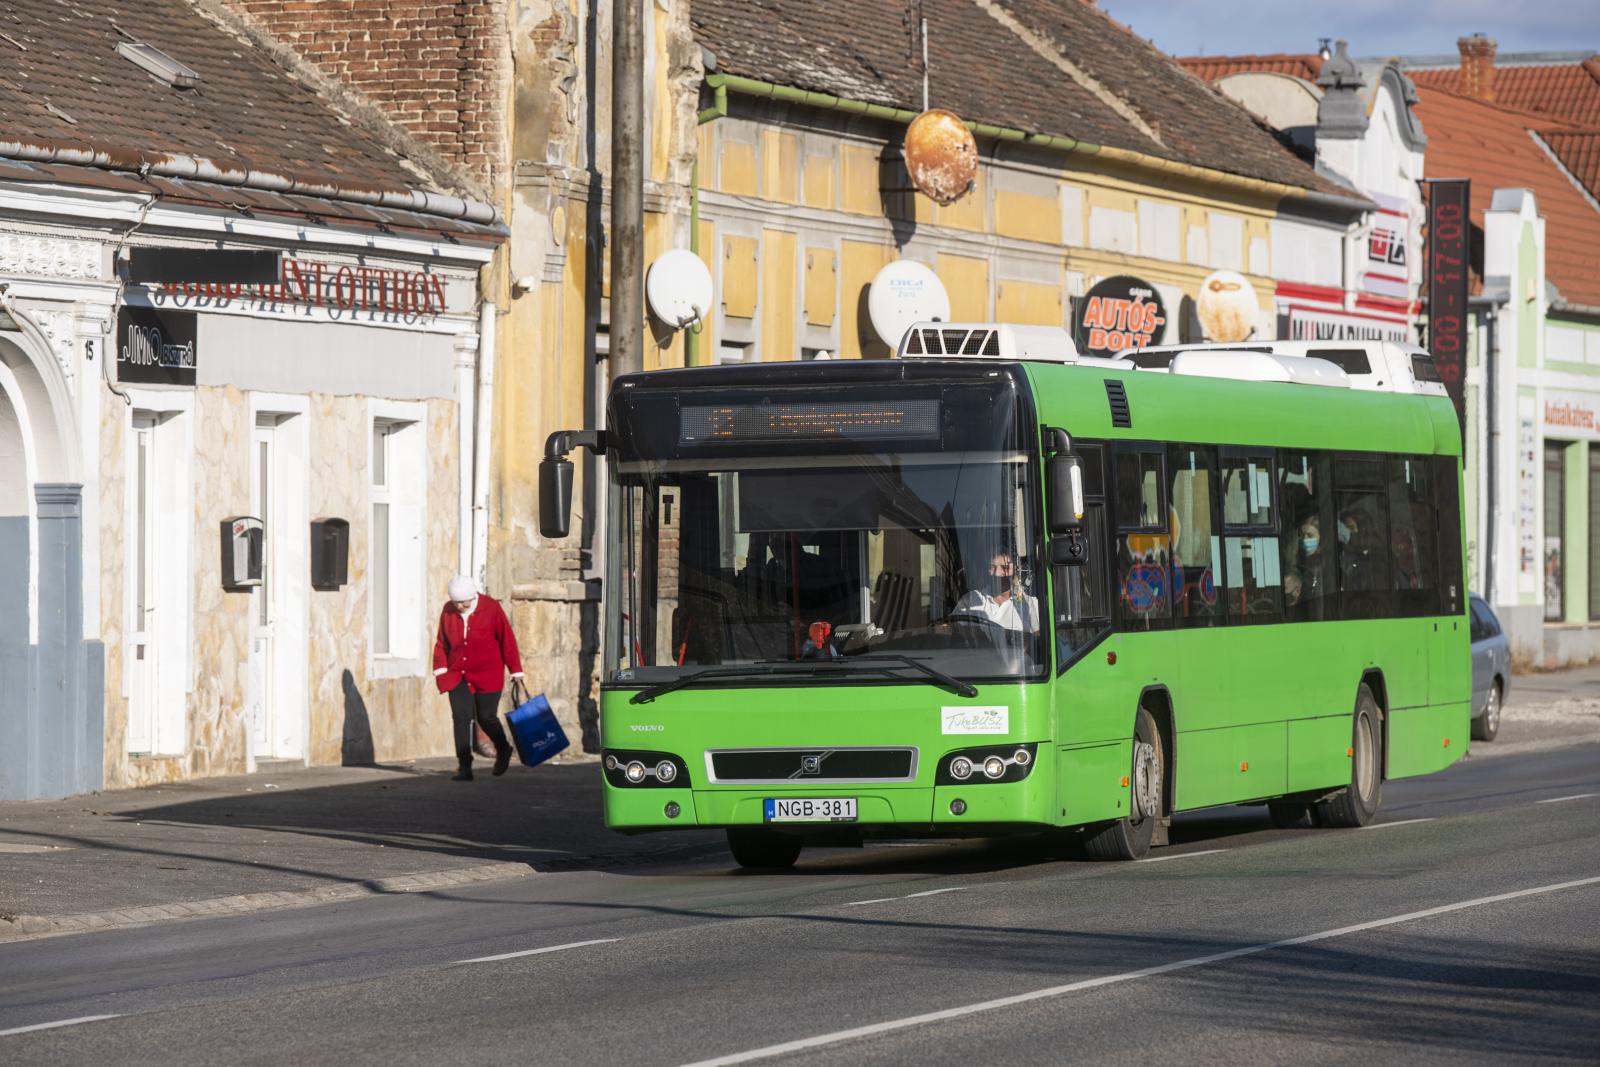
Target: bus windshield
{"points": [[842, 563]]}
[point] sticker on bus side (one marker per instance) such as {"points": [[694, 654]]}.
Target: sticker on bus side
{"points": [[975, 720]]}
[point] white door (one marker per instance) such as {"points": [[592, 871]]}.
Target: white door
{"points": [[142, 648], [263, 613]]}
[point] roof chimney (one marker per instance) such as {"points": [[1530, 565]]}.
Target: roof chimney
{"points": [[1477, 66]]}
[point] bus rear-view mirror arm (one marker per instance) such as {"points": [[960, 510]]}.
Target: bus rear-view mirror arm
{"points": [[1068, 548], [555, 478]]}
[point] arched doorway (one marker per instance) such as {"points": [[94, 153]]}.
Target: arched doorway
{"points": [[51, 732]]}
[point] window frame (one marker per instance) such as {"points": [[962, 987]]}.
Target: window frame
{"points": [[405, 493], [1250, 530]]}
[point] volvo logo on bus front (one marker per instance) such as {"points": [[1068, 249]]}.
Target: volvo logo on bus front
{"points": [[811, 764]]}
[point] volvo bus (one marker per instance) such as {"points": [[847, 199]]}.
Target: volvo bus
{"points": [[993, 587]]}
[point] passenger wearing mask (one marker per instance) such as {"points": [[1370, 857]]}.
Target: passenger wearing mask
{"points": [[1307, 580], [1000, 598]]}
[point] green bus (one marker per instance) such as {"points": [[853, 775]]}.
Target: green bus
{"points": [[1021, 591]]}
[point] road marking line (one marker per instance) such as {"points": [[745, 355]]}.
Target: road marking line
{"points": [[1575, 796], [1112, 979], [1402, 822], [57, 1023], [1183, 855], [908, 896], [539, 951]]}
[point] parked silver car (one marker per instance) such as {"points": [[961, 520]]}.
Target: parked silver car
{"points": [[1491, 671]]}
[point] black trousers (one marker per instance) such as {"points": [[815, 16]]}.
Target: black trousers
{"points": [[465, 705]]}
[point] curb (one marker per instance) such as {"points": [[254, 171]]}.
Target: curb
{"points": [[31, 927]]}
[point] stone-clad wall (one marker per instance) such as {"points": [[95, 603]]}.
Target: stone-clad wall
{"points": [[353, 717]]}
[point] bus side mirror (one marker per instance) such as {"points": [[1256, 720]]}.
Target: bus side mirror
{"points": [[1066, 493], [555, 497]]}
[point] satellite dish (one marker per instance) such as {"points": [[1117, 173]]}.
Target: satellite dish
{"points": [[678, 288], [902, 293], [941, 156], [1227, 306]]}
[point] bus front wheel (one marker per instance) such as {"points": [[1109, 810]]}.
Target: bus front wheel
{"points": [[1129, 838], [1357, 803], [763, 849]]}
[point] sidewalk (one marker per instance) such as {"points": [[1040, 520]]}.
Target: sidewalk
{"points": [[230, 845], [1547, 709]]}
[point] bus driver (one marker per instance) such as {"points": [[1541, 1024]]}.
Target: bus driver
{"points": [[1001, 599]]}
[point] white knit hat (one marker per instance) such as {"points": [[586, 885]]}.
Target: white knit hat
{"points": [[463, 588]]}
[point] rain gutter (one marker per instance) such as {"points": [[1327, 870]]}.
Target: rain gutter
{"points": [[721, 85], [201, 168]]}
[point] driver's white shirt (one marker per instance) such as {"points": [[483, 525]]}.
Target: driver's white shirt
{"points": [[1002, 613]]}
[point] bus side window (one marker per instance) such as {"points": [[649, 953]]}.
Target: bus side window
{"points": [[1305, 504], [1082, 607], [1196, 548], [1361, 524], [1447, 497], [1252, 575], [1143, 546], [1413, 535]]}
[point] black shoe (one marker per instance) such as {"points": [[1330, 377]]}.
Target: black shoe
{"points": [[502, 760], [463, 775]]}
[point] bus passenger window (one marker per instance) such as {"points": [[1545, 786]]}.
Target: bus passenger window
{"points": [[1251, 561], [1306, 505], [1143, 593], [1413, 535], [1195, 546]]}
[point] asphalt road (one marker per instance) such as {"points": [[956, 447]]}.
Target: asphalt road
{"points": [[1461, 928]]}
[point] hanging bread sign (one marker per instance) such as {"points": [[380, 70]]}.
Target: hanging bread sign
{"points": [[941, 156]]}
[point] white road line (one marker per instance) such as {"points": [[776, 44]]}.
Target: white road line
{"points": [[1183, 855], [908, 896], [539, 951], [1402, 822], [57, 1023], [1575, 796], [839, 1036]]}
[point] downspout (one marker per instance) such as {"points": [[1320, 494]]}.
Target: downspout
{"points": [[1492, 320], [480, 448]]}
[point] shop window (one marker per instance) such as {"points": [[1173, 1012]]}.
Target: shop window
{"points": [[1555, 517]]}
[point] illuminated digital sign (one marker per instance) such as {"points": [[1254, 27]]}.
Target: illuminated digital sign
{"points": [[840, 421]]}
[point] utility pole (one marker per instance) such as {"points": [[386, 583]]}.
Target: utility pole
{"points": [[627, 187]]}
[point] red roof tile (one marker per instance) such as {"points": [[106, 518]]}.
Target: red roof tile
{"points": [[1494, 147], [1579, 152], [1568, 90], [1210, 68]]}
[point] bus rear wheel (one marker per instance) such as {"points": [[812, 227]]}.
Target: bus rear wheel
{"points": [[1129, 838], [763, 849], [1357, 803]]}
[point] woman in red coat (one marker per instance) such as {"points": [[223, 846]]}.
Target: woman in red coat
{"points": [[474, 650]]}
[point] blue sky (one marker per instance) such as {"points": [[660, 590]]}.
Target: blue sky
{"points": [[1373, 27]]}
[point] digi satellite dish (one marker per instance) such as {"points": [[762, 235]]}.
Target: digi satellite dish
{"points": [[678, 288], [902, 293]]}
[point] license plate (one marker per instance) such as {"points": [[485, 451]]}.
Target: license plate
{"points": [[811, 809]]}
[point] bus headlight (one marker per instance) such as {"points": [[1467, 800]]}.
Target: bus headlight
{"points": [[635, 772], [666, 771], [998, 763], [626, 769]]}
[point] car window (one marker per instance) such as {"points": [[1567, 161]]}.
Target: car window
{"points": [[1479, 630]]}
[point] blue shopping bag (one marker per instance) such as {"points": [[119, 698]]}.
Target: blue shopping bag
{"points": [[534, 729]]}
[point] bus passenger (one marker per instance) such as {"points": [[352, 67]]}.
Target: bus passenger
{"points": [[1306, 580], [1001, 599]]}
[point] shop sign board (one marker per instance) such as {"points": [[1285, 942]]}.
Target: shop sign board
{"points": [[1570, 415], [155, 347], [343, 290], [1448, 228], [1307, 324], [1120, 312]]}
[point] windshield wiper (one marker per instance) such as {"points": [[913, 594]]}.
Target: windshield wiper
{"points": [[966, 689]]}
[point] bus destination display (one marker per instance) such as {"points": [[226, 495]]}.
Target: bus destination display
{"points": [[842, 420]]}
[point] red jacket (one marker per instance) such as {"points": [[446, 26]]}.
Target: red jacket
{"points": [[479, 647]]}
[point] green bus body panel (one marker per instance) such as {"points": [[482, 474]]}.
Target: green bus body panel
{"points": [[1258, 711]]}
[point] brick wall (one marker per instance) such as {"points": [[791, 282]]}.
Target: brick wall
{"points": [[433, 67]]}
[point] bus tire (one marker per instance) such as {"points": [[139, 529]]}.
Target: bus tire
{"points": [[1129, 838], [755, 849], [1357, 803]]}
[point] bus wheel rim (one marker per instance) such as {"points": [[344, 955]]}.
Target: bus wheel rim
{"points": [[1146, 781], [1365, 770]]}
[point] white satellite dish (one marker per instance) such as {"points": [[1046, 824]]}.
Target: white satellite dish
{"points": [[678, 288], [902, 293]]}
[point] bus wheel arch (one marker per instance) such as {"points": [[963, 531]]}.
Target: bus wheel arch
{"points": [[1373, 679], [1130, 837], [1356, 804]]}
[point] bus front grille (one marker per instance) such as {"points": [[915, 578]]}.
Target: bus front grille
{"points": [[802, 765]]}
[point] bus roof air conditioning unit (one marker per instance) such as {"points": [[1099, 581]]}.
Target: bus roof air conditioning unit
{"points": [[988, 340]]}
